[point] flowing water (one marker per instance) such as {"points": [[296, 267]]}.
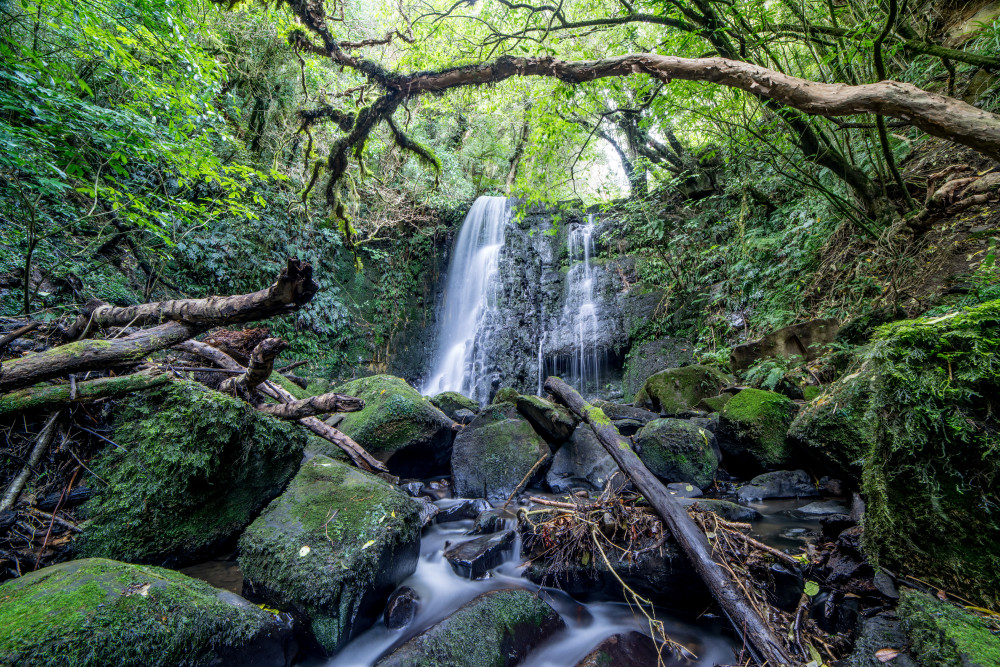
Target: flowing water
{"points": [[442, 591], [581, 311], [462, 360]]}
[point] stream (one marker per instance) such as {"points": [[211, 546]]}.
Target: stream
{"points": [[588, 622]]}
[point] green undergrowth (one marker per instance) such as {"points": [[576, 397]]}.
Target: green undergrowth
{"points": [[934, 468], [943, 635], [190, 468]]}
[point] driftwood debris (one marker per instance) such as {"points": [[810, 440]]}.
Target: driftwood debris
{"points": [[42, 444], [766, 647]]}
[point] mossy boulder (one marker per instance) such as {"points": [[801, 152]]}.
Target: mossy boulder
{"points": [[832, 429], [944, 635], [450, 402], [97, 612], [754, 425], [934, 466], [676, 390], [496, 629], [715, 403], [398, 426], [192, 469], [677, 451], [552, 422], [494, 453], [330, 550]]}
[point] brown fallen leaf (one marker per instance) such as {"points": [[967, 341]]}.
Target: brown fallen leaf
{"points": [[942, 596], [886, 654]]}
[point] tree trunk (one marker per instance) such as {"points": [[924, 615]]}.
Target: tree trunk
{"points": [[91, 390], [312, 406], [260, 367], [293, 289], [743, 616]]}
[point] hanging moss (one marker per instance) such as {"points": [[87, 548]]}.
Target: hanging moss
{"points": [[192, 468], [96, 612], [934, 467]]}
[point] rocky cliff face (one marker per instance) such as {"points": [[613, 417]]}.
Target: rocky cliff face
{"points": [[552, 314]]}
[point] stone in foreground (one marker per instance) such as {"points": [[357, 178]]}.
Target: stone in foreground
{"points": [[496, 629], [474, 558], [97, 612], [330, 550], [630, 649], [582, 463]]}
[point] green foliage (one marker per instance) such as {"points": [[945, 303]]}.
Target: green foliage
{"points": [[935, 461]]}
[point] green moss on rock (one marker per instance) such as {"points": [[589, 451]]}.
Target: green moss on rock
{"points": [[677, 451], [506, 395], [942, 635], [494, 453], [715, 403], [756, 422], [934, 466], [833, 430], [331, 549], [450, 402], [678, 389], [100, 612], [553, 422], [193, 468], [496, 629], [398, 426]]}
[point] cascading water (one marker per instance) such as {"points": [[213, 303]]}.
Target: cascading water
{"points": [[462, 360], [580, 312]]}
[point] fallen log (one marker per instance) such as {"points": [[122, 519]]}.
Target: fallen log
{"points": [[293, 288], [91, 390], [748, 623], [17, 333], [356, 452], [185, 318], [312, 406], [259, 369]]}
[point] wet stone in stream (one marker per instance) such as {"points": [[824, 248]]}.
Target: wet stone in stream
{"points": [[401, 608], [474, 558]]}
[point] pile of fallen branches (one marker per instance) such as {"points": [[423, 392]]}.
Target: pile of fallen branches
{"points": [[619, 528], [63, 377]]}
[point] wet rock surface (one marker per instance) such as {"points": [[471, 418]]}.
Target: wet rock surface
{"points": [[582, 463], [474, 558], [330, 550], [401, 608], [552, 422], [778, 484], [649, 358], [462, 510], [489, 521], [498, 628], [753, 428], [628, 649], [675, 390]]}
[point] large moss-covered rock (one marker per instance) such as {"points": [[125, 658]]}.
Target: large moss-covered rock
{"points": [[677, 451], [934, 467], [331, 549], [192, 469], [832, 429], [494, 453], [97, 612], [450, 402], [943, 635], [398, 426], [755, 423], [675, 390], [496, 629]]}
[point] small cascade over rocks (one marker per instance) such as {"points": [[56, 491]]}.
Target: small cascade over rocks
{"points": [[580, 319], [463, 359]]}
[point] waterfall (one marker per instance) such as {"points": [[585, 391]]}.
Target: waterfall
{"points": [[580, 316], [462, 360]]}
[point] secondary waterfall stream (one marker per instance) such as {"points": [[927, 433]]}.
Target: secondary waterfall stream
{"points": [[461, 361], [580, 313]]}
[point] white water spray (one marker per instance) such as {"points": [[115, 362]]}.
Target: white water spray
{"points": [[461, 361]]}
